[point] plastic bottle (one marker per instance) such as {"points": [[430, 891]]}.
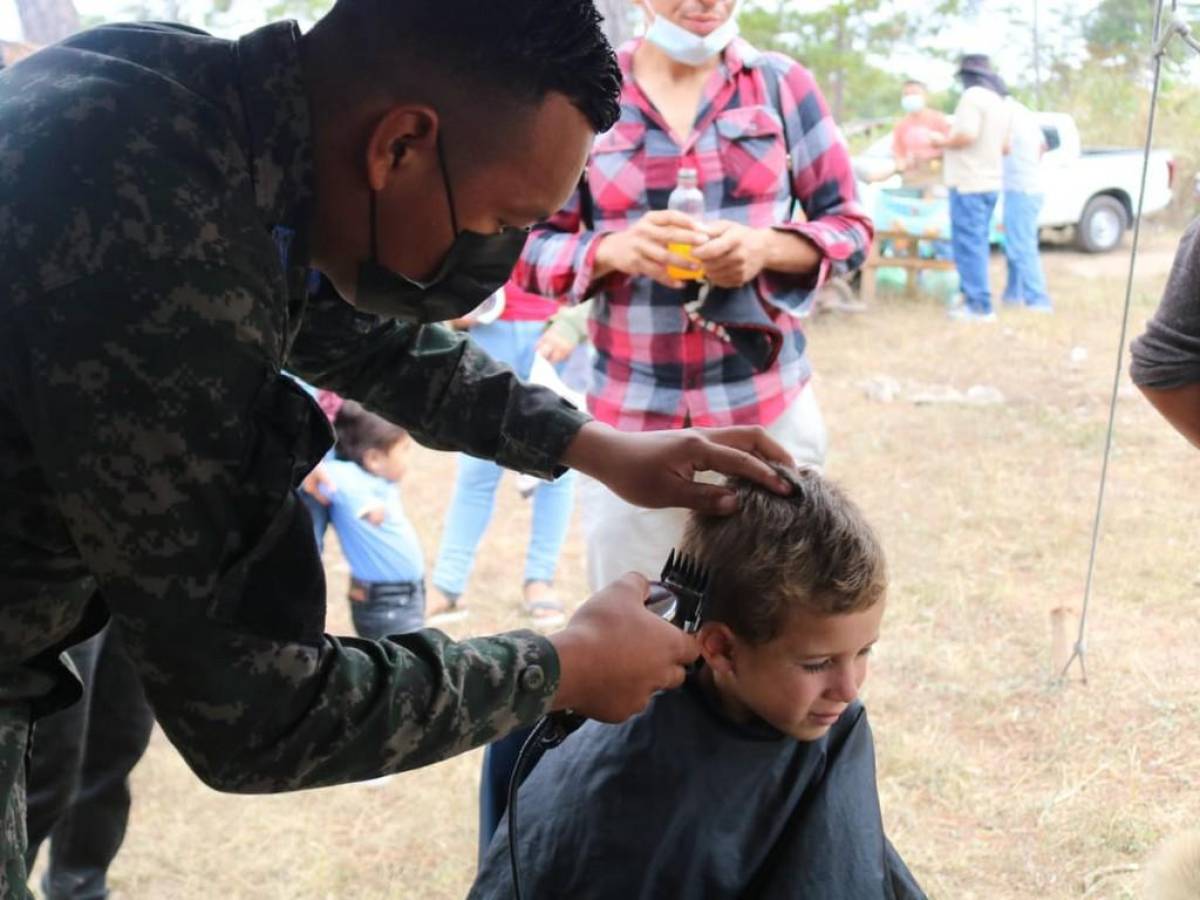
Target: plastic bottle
{"points": [[687, 198]]}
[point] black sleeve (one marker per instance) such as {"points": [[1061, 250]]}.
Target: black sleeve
{"points": [[1167, 355]]}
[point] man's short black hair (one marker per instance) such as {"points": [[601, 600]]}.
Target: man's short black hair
{"points": [[489, 52]]}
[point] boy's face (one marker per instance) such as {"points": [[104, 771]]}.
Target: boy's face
{"points": [[801, 681], [391, 465]]}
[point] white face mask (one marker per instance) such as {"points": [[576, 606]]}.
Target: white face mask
{"points": [[685, 47], [912, 103]]}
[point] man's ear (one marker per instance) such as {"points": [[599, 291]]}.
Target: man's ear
{"points": [[717, 647], [398, 133]]}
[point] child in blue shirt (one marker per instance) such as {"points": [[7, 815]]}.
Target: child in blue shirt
{"points": [[387, 567]]}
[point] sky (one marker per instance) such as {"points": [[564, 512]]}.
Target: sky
{"points": [[969, 36], [113, 10]]}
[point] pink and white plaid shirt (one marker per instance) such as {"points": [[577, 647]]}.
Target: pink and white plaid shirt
{"points": [[653, 368]]}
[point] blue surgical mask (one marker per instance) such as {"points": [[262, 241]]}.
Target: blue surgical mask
{"points": [[912, 103], [685, 47]]}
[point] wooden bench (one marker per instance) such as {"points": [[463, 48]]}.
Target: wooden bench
{"points": [[906, 250]]}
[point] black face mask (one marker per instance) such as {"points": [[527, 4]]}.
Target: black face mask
{"points": [[476, 266]]}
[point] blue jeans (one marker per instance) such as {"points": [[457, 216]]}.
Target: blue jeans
{"points": [[380, 609], [970, 220], [1026, 282], [475, 490]]}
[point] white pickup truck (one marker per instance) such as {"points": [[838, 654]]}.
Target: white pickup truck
{"points": [[1096, 191], [1092, 191]]}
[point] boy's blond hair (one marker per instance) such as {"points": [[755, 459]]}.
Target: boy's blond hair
{"points": [[812, 550]]}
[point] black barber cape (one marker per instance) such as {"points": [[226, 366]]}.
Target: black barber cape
{"points": [[680, 803]]}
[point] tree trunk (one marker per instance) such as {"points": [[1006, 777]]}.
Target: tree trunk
{"points": [[1037, 59], [47, 21], [837, 102], [617, 27]]}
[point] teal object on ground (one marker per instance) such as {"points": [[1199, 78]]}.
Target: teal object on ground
{"points": [[905, 209]]}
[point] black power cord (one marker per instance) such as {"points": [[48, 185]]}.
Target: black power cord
{"points": [[514, 784], [679, 598], [550, 731]]}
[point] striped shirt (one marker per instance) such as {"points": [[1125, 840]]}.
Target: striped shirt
{"points": [[763, 135]]}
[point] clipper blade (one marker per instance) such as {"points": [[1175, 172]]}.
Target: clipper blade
{"points": [[689, 581]]}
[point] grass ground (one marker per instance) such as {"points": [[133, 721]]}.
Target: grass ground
{"points": [[995, 783]]}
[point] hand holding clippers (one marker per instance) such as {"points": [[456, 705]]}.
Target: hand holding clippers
{"points": [[679, 594], [677, 597]]}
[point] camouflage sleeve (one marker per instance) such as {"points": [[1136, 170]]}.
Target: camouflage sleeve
{"points": [[436, 383], [171, 446]]}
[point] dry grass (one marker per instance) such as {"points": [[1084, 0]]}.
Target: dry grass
{"points": [[995, 783]]}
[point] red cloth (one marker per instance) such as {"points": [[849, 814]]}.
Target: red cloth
{"points": [[522, 306], [330, 403], [911, 138]]}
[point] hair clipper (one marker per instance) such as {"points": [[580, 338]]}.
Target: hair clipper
{"points": [[677, 597], [679, 594]]}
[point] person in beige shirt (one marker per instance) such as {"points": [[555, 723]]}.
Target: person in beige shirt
{"points": [[974, 172]]}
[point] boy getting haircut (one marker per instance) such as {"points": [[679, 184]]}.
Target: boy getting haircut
{"points": [[757, 777], [812, 550]]}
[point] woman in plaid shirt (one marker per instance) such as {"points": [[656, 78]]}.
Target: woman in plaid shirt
{"points": [[757, 130]]}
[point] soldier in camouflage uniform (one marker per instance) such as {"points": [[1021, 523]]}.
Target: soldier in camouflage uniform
{"points": [[150, 176]]}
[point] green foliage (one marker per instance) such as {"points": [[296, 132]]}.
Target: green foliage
{"points": [[1095, 57], [1120, 34], [1109, 93], [1112, 110], [846, 43]]}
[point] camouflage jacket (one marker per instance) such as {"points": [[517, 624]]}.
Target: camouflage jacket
{"points": [[149, 445]]}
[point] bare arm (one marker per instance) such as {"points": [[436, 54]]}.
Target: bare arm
{"points": [[1179, 406], [955, 140], [790, 252]]}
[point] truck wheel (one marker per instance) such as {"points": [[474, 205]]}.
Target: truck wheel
{"points": [[1102, 226]]}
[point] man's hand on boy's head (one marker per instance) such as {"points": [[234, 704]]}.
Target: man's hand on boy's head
{"points": [[614, 654], [656, 468]]}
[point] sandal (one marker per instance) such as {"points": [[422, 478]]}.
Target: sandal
{"points": [[546, 610]]}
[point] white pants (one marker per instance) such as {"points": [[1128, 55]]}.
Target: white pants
{"points": [[624, 538]]}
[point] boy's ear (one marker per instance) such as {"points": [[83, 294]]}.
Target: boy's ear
{"points": [[716, 646]]}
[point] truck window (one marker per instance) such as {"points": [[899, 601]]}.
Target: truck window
{"points": [[1050, 133]]}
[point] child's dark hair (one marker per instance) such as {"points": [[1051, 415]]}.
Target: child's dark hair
{"points": [[812, 550], [359, 431]]}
